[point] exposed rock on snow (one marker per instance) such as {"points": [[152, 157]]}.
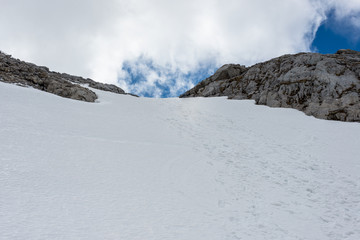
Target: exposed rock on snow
{"points": [[324, 86], [27, 74]]}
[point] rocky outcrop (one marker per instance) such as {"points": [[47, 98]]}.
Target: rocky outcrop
{"points": [[27, 74], [324, 86]]}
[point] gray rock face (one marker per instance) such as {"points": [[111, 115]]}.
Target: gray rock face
{"points": [[324, 86], [27, 74]]}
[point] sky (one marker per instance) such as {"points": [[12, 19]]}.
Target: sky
{"points": [[162, 48]]}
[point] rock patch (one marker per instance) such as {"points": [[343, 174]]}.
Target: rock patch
{"points": [[27, 74]]}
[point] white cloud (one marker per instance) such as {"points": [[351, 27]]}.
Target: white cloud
{"points": [[95, 38]]}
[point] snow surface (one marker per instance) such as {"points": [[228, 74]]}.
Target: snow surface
{"points": [[137, 168]]}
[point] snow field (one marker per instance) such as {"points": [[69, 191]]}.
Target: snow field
{"points": [[137, 168]]}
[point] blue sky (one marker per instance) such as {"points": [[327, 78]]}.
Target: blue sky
{"points": [[334, 34], [165, 80], [161, 48]]}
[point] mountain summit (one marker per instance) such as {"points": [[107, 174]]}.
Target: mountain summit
{"points": [[324, 86]]}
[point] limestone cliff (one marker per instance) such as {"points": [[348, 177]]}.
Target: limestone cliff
{"points": [[324, 86]]}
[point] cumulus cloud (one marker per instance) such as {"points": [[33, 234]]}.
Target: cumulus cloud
{"points": [[159, 47]]}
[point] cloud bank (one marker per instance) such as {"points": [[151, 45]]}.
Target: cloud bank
{"points": [[160, 48]]}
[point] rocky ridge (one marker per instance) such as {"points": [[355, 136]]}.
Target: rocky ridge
{"points": [[27, 74], [324, 86]]}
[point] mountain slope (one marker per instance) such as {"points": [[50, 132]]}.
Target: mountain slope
{"points": [[135, 168], [324, 86]]}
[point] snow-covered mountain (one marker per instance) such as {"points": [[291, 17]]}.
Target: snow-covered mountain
{"points": [[196, 168]]}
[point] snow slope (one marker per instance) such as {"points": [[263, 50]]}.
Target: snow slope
{"points": [[136, 168]]}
